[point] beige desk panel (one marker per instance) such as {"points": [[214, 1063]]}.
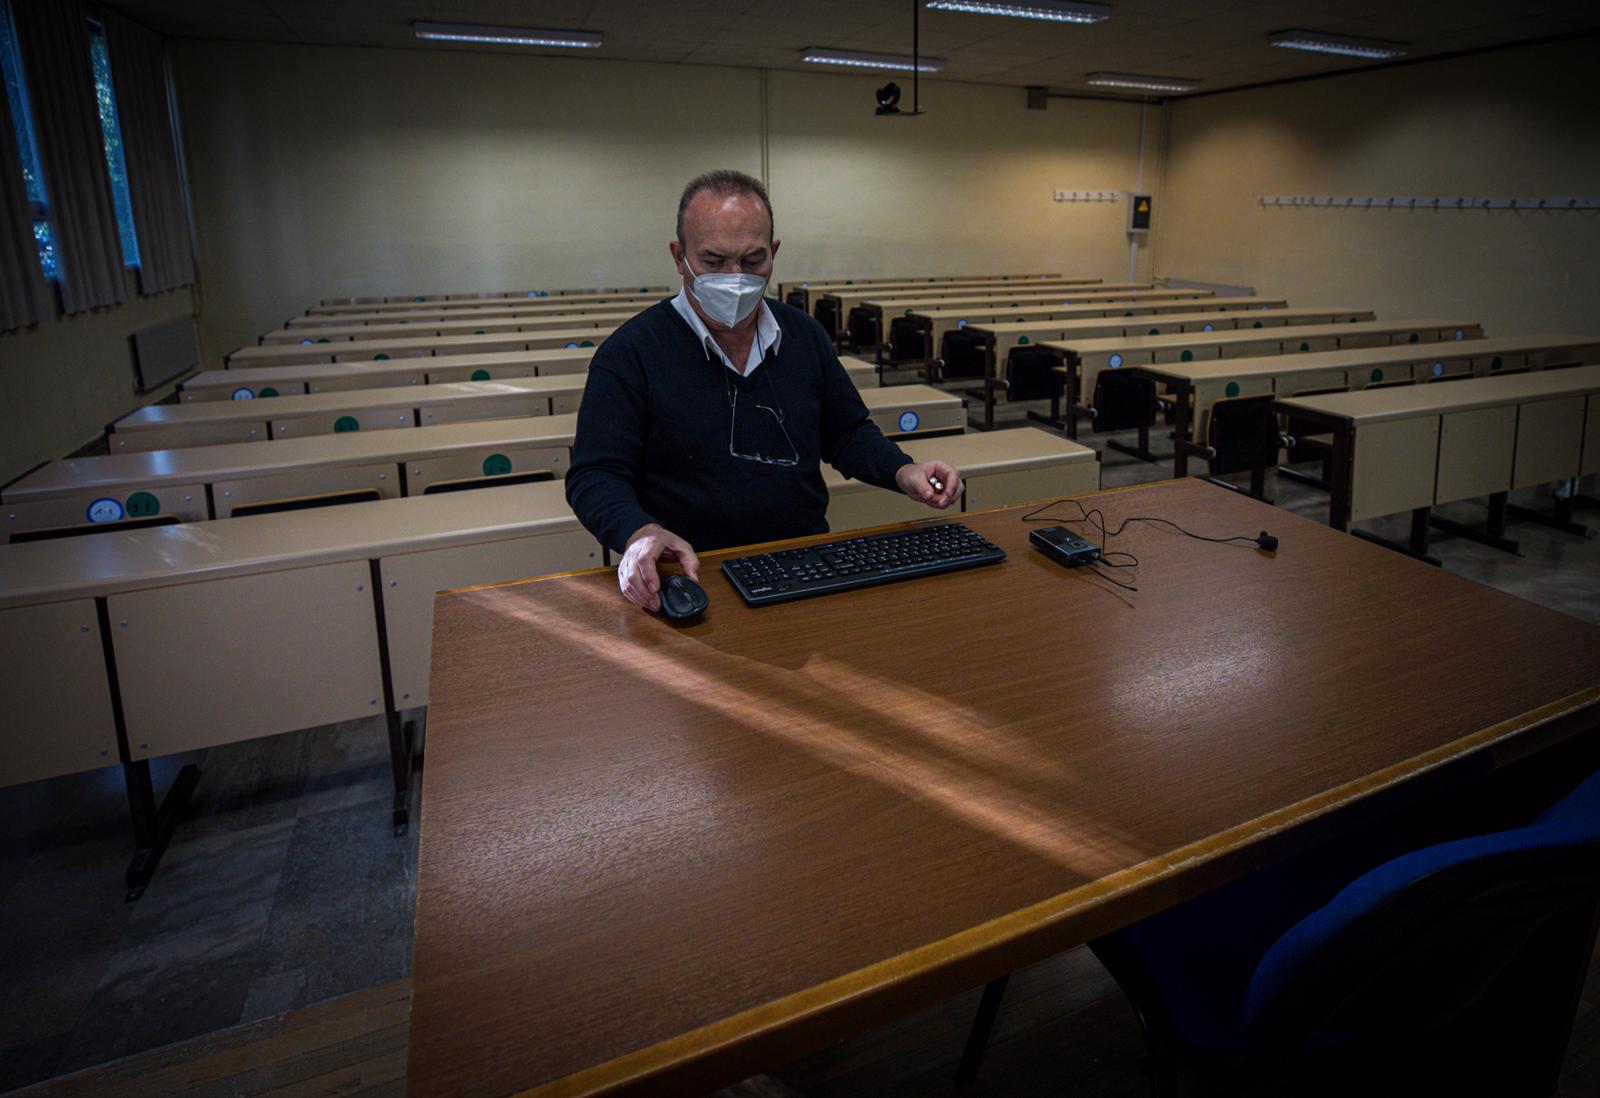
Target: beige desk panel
{"points": [[1446, 366], [934, 409], [496, 407], [1208, 394], [225, 390], [1476, 450], [57, 699], [557, 369], [1407, 402], [1046, 482], [1363, 376], [187, 501], [419, 329], [467, 310], [485, 344], [410, 581], [1394, 467], [1200, 353], [1289, 384], [1591, 437], [1549, 441], [350, 383], [226, 495], [1486, 365], [231, 659], [566, 404], [338, 422], [523, 459], [177, 435], [246, 357], [854, 506]]}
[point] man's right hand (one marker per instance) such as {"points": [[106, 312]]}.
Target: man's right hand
{"points": [[637, 575]]}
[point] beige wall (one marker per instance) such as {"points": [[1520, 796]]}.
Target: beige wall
{"points": [[965, 188], [1517, 122], [323, 171], [62, 381]]}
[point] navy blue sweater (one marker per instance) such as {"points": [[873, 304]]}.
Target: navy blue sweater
{"points": [[652, 443]]}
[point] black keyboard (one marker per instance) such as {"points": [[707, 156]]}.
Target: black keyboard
{"points": [[859, 562]]}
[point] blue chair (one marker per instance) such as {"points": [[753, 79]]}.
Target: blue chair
{"points": [[1452, 969]]}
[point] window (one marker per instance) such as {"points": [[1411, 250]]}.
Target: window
{"points": [[116, 164], [11, 69]]}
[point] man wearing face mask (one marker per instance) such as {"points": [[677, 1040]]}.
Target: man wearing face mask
{"points": [[705, 419]]}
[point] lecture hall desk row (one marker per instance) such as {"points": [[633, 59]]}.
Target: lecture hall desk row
{"points": [[394, 314], [200, 627], [790, 285], [366, 350], [1196, 387], [212, 481], [1414, 447], [207, 482], [900, 410], [1085, 358], [999, 339], [879, 307], [274, 381], [409, 301], [935, 322], [808, 294], [311, 337], [311, 324], [1092, 300]]}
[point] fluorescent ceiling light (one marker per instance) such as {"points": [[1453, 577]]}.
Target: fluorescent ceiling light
{"points": [[1052, 11], [507, 36], [861, 59], [1372, 49], [1142, 83]]}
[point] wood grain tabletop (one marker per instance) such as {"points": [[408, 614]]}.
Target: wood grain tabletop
{"points": [[657, 858]]}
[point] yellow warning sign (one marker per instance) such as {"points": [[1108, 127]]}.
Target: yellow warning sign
{"points": [[1144, 207]]}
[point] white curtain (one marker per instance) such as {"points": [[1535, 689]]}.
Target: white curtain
{"points": [[24, 296], [53, 38], [160, 216]]}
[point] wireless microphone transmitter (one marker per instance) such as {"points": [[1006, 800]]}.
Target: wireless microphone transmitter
{"points": [[1064, 546]]}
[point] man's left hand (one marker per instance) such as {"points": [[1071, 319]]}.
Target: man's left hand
{"points": [[935, 483]]}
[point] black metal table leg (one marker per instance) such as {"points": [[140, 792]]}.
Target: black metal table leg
{"points": [[153, 826], [982, 1028]]}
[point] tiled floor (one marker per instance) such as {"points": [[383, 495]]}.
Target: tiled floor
{"points": [[286, 886]]}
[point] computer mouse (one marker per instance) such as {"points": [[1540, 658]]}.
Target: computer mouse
{"points": [[682, 598]]}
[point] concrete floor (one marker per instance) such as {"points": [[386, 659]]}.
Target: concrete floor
{"points": [[285, 885]]}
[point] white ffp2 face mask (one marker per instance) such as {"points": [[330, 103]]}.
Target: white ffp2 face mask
{"points": [[727, 298]]}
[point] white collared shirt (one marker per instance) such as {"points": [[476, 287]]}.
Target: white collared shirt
{"points": [[768, 334]]}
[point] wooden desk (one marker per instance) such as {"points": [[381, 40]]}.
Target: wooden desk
{"points": [[937, 321], [998, 468], [468, 301], [811, 292], [406, 347], [902, 411], [659, 859], [166, 426], [130, 645], [310, 322], [1197, 386], [1411, 447], [1084, 359], [339, 377], [337, 333], [879, 303], [204, 482]]}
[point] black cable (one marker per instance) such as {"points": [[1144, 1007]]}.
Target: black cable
{"points": [[1113, 579], [1087, 515]]}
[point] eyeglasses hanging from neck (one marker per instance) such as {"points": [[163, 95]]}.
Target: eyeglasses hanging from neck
{"points": [[759, 434]]}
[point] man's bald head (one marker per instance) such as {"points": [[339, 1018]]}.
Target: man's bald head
{"points": [[723, 184]]}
